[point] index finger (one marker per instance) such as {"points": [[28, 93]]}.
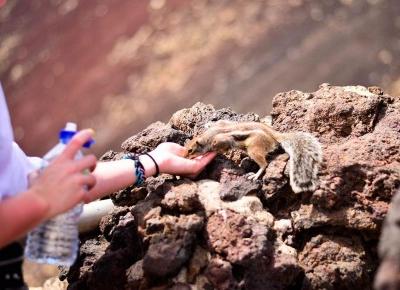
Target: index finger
{"points": [[76, 143]]}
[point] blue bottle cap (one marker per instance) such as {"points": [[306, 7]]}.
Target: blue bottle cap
{"points": [[69, 131]]}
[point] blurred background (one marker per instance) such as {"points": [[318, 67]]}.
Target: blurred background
{"points": [[119, 65]]}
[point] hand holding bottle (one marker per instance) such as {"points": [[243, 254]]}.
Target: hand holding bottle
{"points": [[63, 183]]}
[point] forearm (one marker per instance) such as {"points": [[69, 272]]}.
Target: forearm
{"points": [[115, 175], [20, 214]]}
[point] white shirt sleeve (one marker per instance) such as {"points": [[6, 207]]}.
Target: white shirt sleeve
{"points": [[15, 166]]}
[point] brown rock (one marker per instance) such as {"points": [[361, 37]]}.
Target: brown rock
{"points": [[334, 262], [152, 136], [362, 170], [188, 120], [220, 166], [252, 241], [198, 261], [135, 276], [141, 210], [239, 238], [219, 273], [102, 264], [90, 252], [182, 197], [332, 113], [235, 186], [309, 216], [281, 272], [180, 286], [169, 250], [193, 121], [110, 221], [275, 180], [131, 195], [250, 206]]}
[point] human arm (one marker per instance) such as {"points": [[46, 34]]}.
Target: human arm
{"points": [[114, 175], [19, 214], [44, 200]]}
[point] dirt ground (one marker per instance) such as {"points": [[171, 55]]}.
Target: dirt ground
{"points": [[118, 65]]}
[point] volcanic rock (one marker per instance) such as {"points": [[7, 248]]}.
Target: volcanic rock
{"points": [[222, 231]]}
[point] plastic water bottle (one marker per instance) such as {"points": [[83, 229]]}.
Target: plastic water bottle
{"points": [[56, 241]]}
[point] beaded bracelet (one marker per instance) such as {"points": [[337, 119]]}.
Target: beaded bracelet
{"points": [[139, 169]]}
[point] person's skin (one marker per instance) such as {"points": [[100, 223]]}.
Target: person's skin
{"points": [[114, 175], [63, 184]]}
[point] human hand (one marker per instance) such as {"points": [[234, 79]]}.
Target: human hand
{"points": [[64, 183], [170, 158]]}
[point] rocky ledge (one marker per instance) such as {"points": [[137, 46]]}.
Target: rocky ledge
{"points": [[222, 231]]}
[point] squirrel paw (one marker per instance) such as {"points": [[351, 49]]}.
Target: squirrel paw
{"points": [[253, 176]]}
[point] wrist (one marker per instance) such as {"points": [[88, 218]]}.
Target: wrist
{"points": [[37, 203], [148, 165]]}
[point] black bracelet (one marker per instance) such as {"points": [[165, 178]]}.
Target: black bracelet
{"points": [[139, 169], [155, 163]]}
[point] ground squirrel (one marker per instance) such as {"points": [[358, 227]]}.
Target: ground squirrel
{"points": [[257, 139]]}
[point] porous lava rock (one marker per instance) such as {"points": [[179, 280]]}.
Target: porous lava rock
{"points": [[334, 262], [237, 237], [153, 135], [194, 120], [222, 231]]}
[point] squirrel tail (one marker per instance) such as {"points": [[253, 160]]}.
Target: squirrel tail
{"points": [[305, 154]]}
